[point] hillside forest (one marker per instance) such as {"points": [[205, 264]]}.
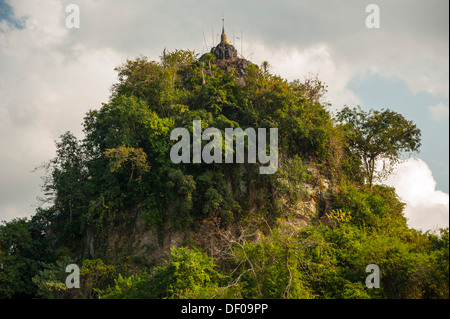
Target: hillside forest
{"points": [[138, 225]]}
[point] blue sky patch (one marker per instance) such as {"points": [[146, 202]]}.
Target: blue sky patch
{"points": [[6, 13]]}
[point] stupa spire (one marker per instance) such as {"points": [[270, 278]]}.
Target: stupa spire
{"points": [[223, 37]]}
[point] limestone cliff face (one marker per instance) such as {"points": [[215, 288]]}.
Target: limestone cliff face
{"points": [[141, 242], [144, 244], [314, 205]]}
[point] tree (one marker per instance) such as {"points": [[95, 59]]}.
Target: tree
{"points": [[122, 154], [379, 135], [209, 58], [311, 88], [23, 248], [66, 188], [265, 65]]}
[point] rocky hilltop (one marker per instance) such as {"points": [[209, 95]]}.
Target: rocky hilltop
{"points": [[226, 57], [139, 224]]}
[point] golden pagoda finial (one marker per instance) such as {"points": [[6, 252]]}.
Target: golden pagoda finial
{"points": [[223, 37]]}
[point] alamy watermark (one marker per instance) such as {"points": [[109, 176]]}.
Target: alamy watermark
{"points": [[73, 18], [256, 145], [373, 280], [73, 280], [373, 19]]}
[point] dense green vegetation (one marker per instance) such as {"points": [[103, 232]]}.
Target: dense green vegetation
{"points": [[240, 238]]}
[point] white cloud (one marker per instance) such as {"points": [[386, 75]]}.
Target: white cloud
{"points": [[47, 84], [294, 63], [426, 207], [439, 112]]}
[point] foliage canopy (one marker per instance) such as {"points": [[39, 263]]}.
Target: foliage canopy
{"points": [[100, 188]]}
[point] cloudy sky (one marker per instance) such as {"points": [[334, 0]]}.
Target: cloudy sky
{"points": [[51, 75]]}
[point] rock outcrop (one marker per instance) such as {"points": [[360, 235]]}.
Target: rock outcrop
{"points": [[227, 57]]}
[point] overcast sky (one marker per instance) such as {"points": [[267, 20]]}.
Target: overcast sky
{"points": [[50, 75]]}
